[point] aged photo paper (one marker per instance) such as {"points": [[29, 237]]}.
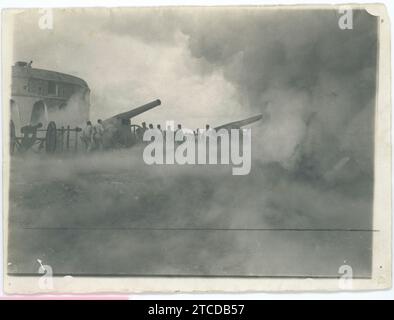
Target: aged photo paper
{"points": [[196, 149]]}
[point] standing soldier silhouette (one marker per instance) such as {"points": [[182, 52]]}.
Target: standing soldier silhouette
{"points": [[98, 134], [87, 136]]}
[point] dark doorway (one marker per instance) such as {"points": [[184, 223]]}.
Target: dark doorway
{"points": [[38, 113]]}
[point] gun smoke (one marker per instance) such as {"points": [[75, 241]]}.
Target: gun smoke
{"points": [[312, 155]]}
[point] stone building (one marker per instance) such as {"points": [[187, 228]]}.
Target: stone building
{"points": [[39, 95]]}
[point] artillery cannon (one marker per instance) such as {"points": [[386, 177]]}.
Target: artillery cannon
{"points": [[118, 129], [239, 124], [52, 139], [118, 132]]}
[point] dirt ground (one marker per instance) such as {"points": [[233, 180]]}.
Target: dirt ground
{"points": [[111, 214]]}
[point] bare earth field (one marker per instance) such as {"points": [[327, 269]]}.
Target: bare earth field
{"points": [[111, 214]]}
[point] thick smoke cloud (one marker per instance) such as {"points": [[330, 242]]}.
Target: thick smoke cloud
{"points": [[312, 153], [308, 77]]}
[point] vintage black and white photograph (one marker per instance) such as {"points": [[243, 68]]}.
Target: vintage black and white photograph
{"points": [[196, 143]]}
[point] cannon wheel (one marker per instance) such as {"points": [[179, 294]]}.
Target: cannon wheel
{"points": [[134, 128], [134, 133], [50, 138], [12, 137]]}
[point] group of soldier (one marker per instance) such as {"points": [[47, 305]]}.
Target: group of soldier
{"points": [[92, 136], [140, 132]]}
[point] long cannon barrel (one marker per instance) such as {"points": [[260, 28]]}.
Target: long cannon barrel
{"points": [[240, 123], [134, 112], [31, 128]]}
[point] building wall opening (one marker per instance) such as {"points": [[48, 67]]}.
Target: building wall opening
{"points": [[15, 114], [52, 88], [39, 113]]}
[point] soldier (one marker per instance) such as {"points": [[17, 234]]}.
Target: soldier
{"points": [[161, 131], [98, 134], [87, 136], [178, 128], [150, 126], [141, 131], [209, 130]]}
